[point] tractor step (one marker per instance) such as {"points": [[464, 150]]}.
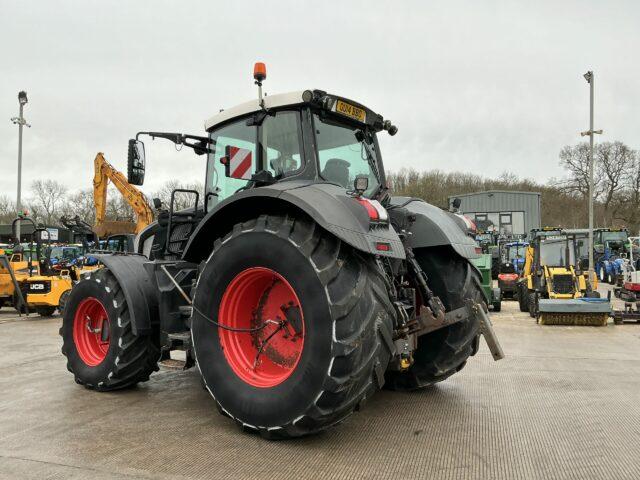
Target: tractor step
{"points": [[180, 340], [173, 364]]}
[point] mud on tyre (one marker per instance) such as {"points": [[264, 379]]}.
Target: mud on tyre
{"points": [[444, 352], [328, 358], [102, 351]]}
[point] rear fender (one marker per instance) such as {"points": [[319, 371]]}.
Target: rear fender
{"points": [[138, 289], [325, 203], [435, 227]]}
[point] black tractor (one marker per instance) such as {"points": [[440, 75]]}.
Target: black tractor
{"points": [[298, 284]]}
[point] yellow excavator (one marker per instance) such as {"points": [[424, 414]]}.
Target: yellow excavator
{"points": [[104, 172]]}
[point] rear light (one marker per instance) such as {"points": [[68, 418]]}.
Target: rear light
{"points": [[376, 212], [478, 249], [507, 276], [383, 247]]}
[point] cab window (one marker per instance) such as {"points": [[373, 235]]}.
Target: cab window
{"points": [[280, 143], [237, 135]]}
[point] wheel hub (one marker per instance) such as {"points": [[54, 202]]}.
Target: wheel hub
{"points": [[91, 331], [262, 302]]}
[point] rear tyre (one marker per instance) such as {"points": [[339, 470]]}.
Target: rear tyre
{"points": [[102, 351], [444, 352], [45, 311], [333, 354]]}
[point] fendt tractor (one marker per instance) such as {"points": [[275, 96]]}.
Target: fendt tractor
{"points": [[298, 285]]}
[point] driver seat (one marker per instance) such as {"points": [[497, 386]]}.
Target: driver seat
{"points": [[336, 170]]}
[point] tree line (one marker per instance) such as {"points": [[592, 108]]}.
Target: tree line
{"points": [[564, 200], [47, 200]]}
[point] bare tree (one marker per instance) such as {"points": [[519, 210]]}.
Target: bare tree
{"points": [[182, 200], [48, 198], [7, 209], [80, 203], [575, 159], [614, 162]]}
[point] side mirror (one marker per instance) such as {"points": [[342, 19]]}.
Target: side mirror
{"points": [[456, 203], [599, 248], [237, 162], [135, 162]]}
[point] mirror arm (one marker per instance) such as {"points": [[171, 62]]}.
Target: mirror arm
{"points": [[181, 139]]}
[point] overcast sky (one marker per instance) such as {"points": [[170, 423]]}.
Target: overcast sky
{"points": [[481, 87]]}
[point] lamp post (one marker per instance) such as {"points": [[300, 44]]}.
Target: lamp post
{"points": [[21, 122], [590, 80]]}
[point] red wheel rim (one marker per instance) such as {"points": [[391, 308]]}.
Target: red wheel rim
{"points": [[260, 298], [91, 331]]}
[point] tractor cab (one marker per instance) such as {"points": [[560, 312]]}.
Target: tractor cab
{"points": [[283, 141], [306, 136], [610, 241]]}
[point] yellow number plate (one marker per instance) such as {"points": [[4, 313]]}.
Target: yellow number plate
{"points": [[351, 111]]}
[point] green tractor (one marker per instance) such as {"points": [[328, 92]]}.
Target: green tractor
{"points": [[298, 285], [484, 263]]}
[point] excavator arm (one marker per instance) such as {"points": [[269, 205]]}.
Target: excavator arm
{"points": [[103, 173]]}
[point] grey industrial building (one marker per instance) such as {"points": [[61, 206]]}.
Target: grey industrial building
{"points": [[511, 213]]}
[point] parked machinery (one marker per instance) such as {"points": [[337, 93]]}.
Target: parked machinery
{"points": [[552, 288], [299, 285], [104, 173], [512, 256], [611, 247], [44, 289], [14, 268]]}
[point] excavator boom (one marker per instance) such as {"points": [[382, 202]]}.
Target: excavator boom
{"points": [[104, 172]]}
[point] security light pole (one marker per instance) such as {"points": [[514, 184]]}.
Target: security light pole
{"points": [[590, 79], [20, 120]]}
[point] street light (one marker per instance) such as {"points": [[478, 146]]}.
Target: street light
{"points": [[21, 122], [590, 80]]}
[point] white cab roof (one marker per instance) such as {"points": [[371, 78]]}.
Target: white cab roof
{"points": [[272, 101]]}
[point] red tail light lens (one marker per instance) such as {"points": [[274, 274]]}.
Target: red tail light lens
{"points": [[376, 212]]}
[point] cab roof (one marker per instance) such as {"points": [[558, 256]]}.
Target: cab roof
{"points": [[270, 101], [319, 98]]}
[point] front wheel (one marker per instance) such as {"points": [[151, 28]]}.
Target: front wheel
{"points": [[533, 305], [523, 298], [102, 351], [289, 326]]}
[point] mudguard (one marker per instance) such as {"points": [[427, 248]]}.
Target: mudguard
{"points": [[138, 289], [326, 203], [435, 227]]}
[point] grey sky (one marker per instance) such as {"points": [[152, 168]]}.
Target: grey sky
{"points": [[481, 87]]}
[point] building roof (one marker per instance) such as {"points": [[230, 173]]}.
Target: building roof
{"points": [[272, 101], [451, 197]]}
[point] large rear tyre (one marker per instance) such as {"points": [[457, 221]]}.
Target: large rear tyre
{"points": [[323, 351], [444, 352], [102, 351]]}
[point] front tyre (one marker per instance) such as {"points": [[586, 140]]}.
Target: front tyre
{"points": [[308, 315], [102, 351]]}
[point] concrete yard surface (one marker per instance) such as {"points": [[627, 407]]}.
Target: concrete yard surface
{"points": [[564, 404]]}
